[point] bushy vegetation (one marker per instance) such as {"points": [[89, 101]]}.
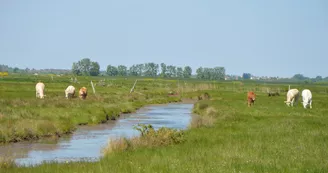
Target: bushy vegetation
{"points": [[149, 138], [6, 162], [86, 67]]}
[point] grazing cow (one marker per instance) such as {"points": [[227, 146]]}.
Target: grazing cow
{"points": [[204, 96], [307, 98], [83, 93], [292, 97], [250, 98], [69, 92], [273, 94], [39, 89]]}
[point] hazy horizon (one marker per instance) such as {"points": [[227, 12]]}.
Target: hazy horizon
{"points": [[264, 38]]}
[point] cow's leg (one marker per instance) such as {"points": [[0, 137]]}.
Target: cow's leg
{"points": [[310, 104], [296, 100], [292, 102]]}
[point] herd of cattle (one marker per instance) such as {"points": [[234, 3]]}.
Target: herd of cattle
{"points": [[292, 95], [292, 98], [69, 92]]}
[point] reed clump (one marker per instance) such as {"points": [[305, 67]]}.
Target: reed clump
{"points": [[149, 138]]}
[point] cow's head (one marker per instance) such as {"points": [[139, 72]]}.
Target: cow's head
{"points": [[287, 103], [253, 97], [305, 103]]}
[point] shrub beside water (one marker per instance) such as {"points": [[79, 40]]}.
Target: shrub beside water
{"points": [[202, 121], [149, 138], [206, 115], [6, 162]]}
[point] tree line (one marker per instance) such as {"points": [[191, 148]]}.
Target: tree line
{"points": [[6, 68], [88, 67], [296, 77], [150, 70], [300, 77]]}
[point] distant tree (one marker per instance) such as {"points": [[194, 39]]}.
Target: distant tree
{"points": [[155, 69], [318, 78], [122, 70], [85, 67], [207, 73], [216, 73], [187, 72], [94, 69], [179, 72], [299, 77], [112, 70], [247, 76], [16, 70], [140, 69], [76, 69], [200, 73], [171, 71], [133, 71], [163, 70], [3, 68], [219, 73], [151, 69]]}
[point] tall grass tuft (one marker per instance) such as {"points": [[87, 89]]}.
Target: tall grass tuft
{"points": [[6, 163], [202, 121], [206, 118], [149, 138]]}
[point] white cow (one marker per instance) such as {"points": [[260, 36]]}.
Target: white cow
{"points": [[39, 90], [69, 92], [307, 98], [292, 97]]}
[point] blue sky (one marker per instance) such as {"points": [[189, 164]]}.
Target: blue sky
{"points": [[262, 37]]}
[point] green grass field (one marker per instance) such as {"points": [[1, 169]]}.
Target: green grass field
{"points": [[228, 136], [23, 117]]}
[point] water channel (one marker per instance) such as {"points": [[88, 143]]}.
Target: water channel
{"points": [[87, 142]]}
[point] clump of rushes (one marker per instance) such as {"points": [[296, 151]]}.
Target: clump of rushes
{"points": [[7, 162], [149, 138]]}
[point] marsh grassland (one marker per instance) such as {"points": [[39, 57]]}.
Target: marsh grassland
{"points": [[227, 136]]}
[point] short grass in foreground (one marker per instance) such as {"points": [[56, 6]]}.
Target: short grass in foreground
{"points": [[269, 137]]}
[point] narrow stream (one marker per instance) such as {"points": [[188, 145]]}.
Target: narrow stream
{"points": [[87, 142]]}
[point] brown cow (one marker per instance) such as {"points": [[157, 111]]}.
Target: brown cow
{"points": [[250, 98], [83, 93]]}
